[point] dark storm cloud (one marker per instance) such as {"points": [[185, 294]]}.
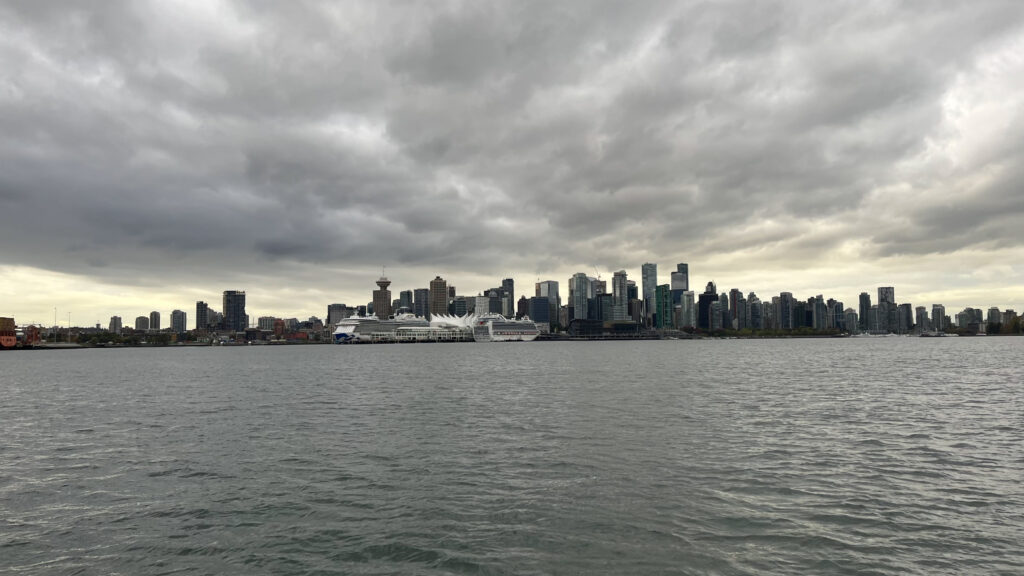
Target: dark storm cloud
{"points": [[486, 136]]}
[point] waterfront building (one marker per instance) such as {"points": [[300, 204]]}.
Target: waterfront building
{"points": [[755, 317], [154, 321], [850, 319], [921, 319], [115, 325], [508, 287], [265, 323], [689, 310], [405, 300], [939, 318], [994, 316], [704, 301], [620, 297], [235, 318], [663, 306], [579, 289], [865, 308], [142, 323], [438, 296], [540, 310], [178, 319], [785, 313], [904, 318], [649, 278], [549, 289], [382, 299], [459, 306], [202, 315], [336, 313], [421, 303], [523, 307], [715, 315]]}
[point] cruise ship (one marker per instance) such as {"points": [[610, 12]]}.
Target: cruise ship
{"points": [[400, 328], [497, 328], [370, 328]]}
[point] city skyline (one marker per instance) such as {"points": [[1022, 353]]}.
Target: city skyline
{"points": [[152, 156]]}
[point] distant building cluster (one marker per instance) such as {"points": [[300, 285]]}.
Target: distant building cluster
{"points": [[592, 307]]}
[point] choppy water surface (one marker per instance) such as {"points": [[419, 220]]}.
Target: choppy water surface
{"points": [[874, 456]]}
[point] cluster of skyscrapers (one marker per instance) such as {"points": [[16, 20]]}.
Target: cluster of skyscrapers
{"points": [[595, 307]]}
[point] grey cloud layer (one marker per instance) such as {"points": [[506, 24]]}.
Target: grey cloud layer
{"points": [[492, 136]]}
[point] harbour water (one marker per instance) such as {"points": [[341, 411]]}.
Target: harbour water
{"points": [[834, 456]]}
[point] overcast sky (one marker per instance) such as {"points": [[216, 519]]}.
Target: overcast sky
{"points": [[155, 154]]}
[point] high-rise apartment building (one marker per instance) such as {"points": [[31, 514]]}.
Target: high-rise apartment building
{"points": [[663, 306], [115, 325], [178, 320], [142, 323], [438, 296], [202, 315], [382, 299], [235, 318], [154, 321]]}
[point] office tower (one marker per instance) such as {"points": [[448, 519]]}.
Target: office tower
{"points": [[679, 283], [549, 289], [405, 300], [620, 300], [939, 318], [579, 286], [632, 293], [451, 292], [663, 306], [421, 302], [689, 311], [904, 318], [438, 296], [202, 315], [865, 309], [336, 313], [142, 323], [178, 319], [459, 306], [115, 325], [522, 307], [154, 321], [508, 285], [921, 319], [382, 299], [235, 318], [649, 278], [540, 310], [886, 308], [683, 272], [704, 302]]}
